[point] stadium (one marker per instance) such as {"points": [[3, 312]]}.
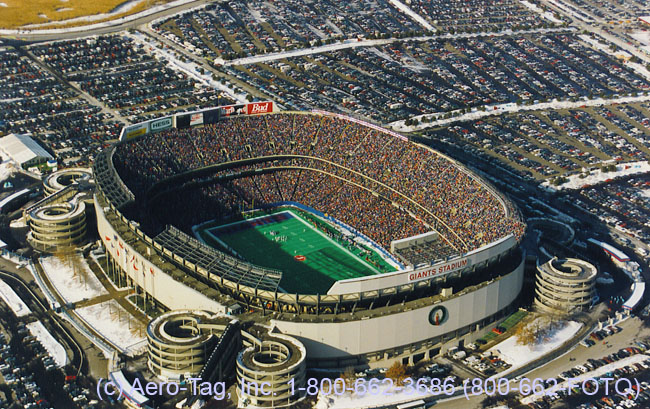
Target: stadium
{"points": [[366, 247]]}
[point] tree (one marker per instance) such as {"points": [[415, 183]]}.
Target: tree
{"points": [[559, 180], [397, 372], [526, 334], [349, 376]]}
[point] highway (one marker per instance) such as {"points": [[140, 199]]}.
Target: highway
{"points": [[43, 312], [75, 32]]}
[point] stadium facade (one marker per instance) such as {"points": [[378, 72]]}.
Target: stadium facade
{"points": [[468, 283]]}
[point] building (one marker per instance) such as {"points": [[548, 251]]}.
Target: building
{"points": [[180, 342], [565, 285], [24, 150], [414, 313], [58, 221]]}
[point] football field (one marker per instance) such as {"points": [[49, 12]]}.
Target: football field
{"points": [[311, 261]]}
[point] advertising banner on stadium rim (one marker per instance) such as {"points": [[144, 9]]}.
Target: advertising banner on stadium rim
{"points": [[259, 108], [211, 116], [132, 131], [196, 119], [253, 108], [161, 124], [232, 110], [182, 121]]}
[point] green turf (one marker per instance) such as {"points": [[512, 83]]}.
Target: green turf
{"points": [[512, 320], [508, 323], [326, 261]]}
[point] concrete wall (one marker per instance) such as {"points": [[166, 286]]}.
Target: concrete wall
{"points": [[326, 339], [329, 340], [171, 293]]}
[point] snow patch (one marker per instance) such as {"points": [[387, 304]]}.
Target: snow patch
{"points": [[605, 281], [62, 9], [546, 14], [72, 279], [7, 167], [597, 176], [122, 8], [51, 345], [13, 300], [409, 12], [18, 223], [570, 10], [3, 5], [190, 68], [519, 355], [115, 324]]}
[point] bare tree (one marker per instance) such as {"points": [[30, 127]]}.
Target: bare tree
{"points": [[397, 372]]}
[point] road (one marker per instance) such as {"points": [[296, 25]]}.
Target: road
{"points": [[509, 108], [35, 36], [201, 62], [42, 313]]}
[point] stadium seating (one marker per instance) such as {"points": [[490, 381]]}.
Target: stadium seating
{"points": [[381, 185]]}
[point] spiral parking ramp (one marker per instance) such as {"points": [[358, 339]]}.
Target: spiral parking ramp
{"points": [[64, 178], [57, 225], [58, 221], [181, 342], [565, 285], [271, 370]]}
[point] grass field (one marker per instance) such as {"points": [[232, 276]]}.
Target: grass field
{"points": [[508, 323], [17, 13], [281, 240]]}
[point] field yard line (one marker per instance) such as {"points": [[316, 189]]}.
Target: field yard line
{"points": [[360, 260]]}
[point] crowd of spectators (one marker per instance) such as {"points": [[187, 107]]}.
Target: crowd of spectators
{"points": [[377, 183]]}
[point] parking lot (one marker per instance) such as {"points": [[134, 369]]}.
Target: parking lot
{"points": [[401, 80], [33, 101], [124, 76]]}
